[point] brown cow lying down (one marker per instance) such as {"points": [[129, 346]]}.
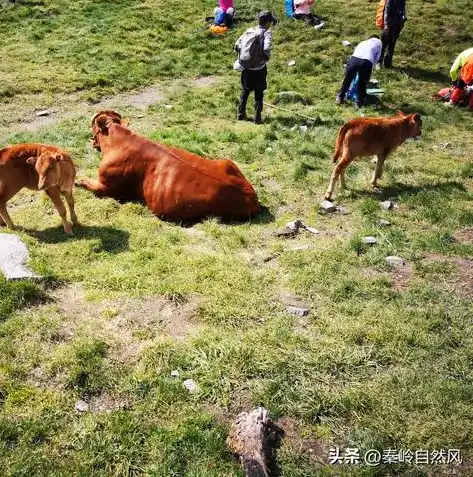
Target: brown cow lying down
{"points": [[174, 184], [371, 136], [37, 166]]}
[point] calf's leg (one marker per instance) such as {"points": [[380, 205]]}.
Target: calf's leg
{"points": [[55, 196], [338, 171], [343, 183], [378, 172], [70, 204]]}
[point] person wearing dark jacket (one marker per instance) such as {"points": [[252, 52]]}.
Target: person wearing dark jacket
{"points": [[394, 18]]}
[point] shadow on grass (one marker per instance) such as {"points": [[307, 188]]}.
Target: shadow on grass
{"points": [[18, 294], [275, 438], [291, 121], [264, 217], [112, 240], [397, 190], [425, 75]]}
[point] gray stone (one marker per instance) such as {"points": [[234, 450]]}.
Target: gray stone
{"points": [[395, 261], [311, 230], [295, 225], [44, 112], [81, 406], [295, 310], [389, 205], [368, 240], [14, 257], [383, 223], [297, 248], [327, 206], [342, 210], [190, 385]]}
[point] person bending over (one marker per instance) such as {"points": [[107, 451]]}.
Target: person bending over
{"points": [[364, 58]]}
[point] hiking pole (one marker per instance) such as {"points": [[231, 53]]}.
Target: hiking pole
{"points": [[289, 111]]}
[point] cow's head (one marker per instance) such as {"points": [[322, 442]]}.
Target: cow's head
{"points": [[46, 165], [101, 123]]}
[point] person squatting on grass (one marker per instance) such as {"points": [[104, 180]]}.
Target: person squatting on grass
{"points": [[364, 58], [394, 19], [224, 13], [461, 74], [254, 50], [302, 12]]}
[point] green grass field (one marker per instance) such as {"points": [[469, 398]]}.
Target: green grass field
{"points": [[385, 358]]}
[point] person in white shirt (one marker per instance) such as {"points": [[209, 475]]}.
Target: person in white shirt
{"points": [[366, 55]]}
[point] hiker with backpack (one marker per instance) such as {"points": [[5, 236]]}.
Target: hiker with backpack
{"points": [[390, 18], [254, 50], [364, 58], [302, 12]]}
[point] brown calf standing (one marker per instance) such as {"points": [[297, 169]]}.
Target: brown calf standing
{"points": [[37, 166], [371, 136]]}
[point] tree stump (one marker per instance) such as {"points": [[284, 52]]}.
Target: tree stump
{"points": [[253, 438]]}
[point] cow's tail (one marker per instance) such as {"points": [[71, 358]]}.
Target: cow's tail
{"points": [[339, 143]]}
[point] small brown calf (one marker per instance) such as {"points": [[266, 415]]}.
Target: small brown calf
{"points": [[371, 136], [37, 167]]}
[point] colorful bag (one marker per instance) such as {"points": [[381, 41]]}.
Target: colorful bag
{"points": [[352, 92], [380, 14], [445, 94], [218, 29], [290, 8]]}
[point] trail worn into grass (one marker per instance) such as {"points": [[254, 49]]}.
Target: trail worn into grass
{"points": [[16, 119]]}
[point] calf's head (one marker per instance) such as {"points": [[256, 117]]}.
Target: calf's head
{"points": [[101, 122], [46, 165], [413, 123]]}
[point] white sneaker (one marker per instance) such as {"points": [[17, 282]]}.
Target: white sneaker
{"points": [[319, 26]]}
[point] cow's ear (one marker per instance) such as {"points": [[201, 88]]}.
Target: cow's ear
{"points": [[102, 123], [31, 160], [416, 117], [399, 113], [125, 122], [58, 157]]}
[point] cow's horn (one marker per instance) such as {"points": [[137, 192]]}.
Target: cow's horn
{"points": [[94, 116]]}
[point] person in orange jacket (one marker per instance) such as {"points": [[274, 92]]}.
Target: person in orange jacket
{"points": [[462, 75]]}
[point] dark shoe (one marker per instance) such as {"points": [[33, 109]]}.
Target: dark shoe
{"points": [[259, 121], [243, 117], [358, 105]]}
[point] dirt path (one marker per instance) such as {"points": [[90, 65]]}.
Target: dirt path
{"points": [[21, 115]]}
